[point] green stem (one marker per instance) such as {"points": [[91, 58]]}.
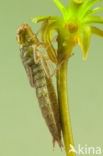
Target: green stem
{"points": [[63, 100]]}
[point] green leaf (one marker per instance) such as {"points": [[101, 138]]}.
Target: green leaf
{"points": [[39, 19], [93, 19], [92, 11], [96, 31], [86, 6], [84, 39], [61, 7], [43, 18]]}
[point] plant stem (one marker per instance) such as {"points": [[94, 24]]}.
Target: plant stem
{"points": [[63, 101]]}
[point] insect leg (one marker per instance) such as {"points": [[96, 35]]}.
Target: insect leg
{"points": [[54, 71], [51, 66], [52, 53], [44, 65], [41, 28], [49, 48], [38, 57], [35, 54], [48, 61], [52, 41], [30, 75], [57, 66]]}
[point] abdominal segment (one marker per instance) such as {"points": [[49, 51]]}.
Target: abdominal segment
{"points": [[45, 93]]}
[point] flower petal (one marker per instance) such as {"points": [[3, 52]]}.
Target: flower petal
{"points": [[84, 39], [96, 31], [43, 18], [93, 19], [94, 10], [61, 7], [86, 6]]}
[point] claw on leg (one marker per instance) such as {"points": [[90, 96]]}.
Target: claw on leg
{"points": [[51, 67]]}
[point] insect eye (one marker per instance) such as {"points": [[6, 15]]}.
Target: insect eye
{"points": [[23, 34]]}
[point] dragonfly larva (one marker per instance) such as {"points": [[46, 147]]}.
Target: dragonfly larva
{"points": [[39, 80]]}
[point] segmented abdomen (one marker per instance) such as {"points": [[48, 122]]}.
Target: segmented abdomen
{"points": [[45, 93]]}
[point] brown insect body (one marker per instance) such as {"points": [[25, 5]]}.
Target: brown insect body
{"points": [[44, 88]]}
